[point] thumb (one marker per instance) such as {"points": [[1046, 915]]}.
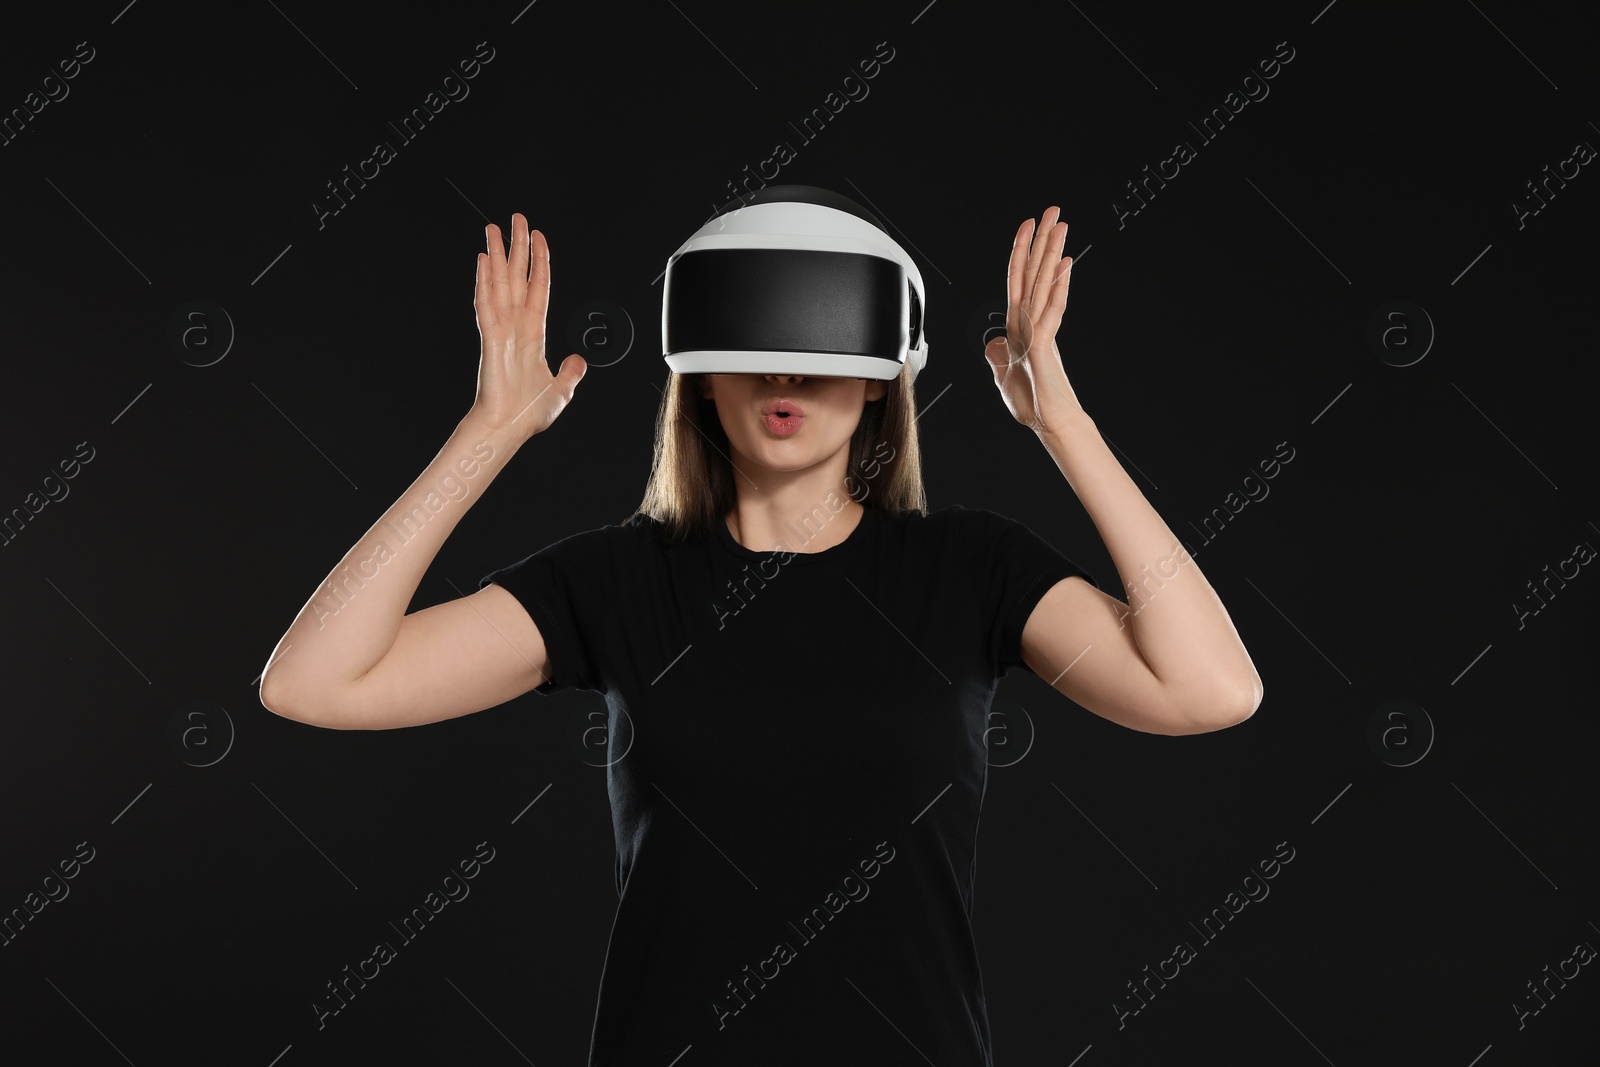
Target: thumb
{"points": [[998, 353], [572, 371]]}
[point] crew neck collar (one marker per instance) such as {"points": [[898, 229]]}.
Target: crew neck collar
{"points": [[868, 517]]}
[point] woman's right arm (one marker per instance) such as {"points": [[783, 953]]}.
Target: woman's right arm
{"points": [[353, 659]]}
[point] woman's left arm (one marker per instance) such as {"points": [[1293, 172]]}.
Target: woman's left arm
{"points": [[1170, 661]]}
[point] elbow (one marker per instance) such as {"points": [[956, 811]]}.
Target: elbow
{"points": [[1221, 720], [271, 699], [275, 700], [1220, 712]]}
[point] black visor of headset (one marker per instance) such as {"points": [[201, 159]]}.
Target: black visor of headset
{"points": [[790, 300]]}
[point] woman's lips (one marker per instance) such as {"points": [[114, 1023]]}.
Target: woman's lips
{"points": [[783, 426]]}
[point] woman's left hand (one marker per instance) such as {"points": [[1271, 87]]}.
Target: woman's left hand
{"points": [[1026, 363]]}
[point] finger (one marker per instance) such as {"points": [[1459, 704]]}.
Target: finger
{"points": [[1016, 272], [1056, 305], [517, 268], [1018, 263], [1037, 252], [1049, 266], [536, 300], [998, 353], [538, 296], [497, 265], [482, 298], [571, 372]]}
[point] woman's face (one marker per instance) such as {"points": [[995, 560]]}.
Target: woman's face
{"points": [[824, 413]]}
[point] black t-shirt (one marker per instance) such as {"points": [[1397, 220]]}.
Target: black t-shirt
{"points": [[797, 752]]}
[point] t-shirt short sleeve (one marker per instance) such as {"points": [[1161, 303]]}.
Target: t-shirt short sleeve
{"points": [[1013, 569], [567, 588]]}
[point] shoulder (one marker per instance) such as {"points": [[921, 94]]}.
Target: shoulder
{"points": [[605, 542], [975, 526], [994, 542], [958, 520], [628, 535], [957, 535]]}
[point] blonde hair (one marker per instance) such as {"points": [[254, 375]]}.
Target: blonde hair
{"points": [[692, 482]]}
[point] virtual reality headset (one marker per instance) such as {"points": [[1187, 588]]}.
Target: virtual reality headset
{"points": [[793, 280]]}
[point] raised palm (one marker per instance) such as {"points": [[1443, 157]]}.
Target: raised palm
{"points": [[515, 387]]}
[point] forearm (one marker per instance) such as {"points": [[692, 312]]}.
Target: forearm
{"points": [[1177, 619], [350, 622]]}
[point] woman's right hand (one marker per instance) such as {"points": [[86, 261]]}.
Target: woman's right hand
{"points": [[515, 387]]}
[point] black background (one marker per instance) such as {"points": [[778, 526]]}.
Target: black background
{"points": [[1228, 315]]}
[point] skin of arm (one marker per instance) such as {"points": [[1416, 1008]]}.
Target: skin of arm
{"points": [[1172, 664], [352, 620], [353, 658]]}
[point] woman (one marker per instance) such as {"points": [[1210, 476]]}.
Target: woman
{"points": [[798, 661]]}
